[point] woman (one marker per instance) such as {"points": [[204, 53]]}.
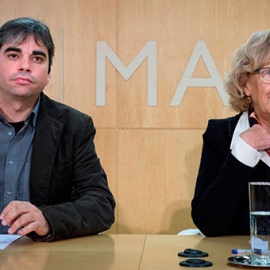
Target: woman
{"points": [[236, 150]]}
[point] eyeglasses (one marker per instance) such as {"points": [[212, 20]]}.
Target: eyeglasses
{"points": [[264, 74]]}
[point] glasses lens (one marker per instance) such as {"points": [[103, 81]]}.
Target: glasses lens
{"points": [[265, 75]]}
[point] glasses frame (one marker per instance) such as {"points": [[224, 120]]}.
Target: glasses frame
{"points": [[260, 76]]}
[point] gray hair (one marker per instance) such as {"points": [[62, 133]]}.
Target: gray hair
{"points": [[251, 55]]}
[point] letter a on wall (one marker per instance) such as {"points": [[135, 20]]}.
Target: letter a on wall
{"points": [[200, 50]]}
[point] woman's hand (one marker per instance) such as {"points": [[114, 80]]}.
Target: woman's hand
{"points": [[257, 137]]}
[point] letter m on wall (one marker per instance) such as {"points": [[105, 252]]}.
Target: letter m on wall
{"points": [[103, 51]]}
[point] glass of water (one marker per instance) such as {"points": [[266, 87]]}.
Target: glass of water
{"points": [[259, 207]]}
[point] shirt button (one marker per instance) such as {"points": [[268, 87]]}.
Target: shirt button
{"points": [[9, 133], [10, 162], [8, 192]]}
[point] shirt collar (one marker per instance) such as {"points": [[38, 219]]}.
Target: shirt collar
{"points": [[242, 125], [32, 117]]}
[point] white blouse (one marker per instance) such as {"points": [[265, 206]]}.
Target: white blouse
{"points": [[243, 151]]}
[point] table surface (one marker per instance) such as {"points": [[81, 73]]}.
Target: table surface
{"points": [[118, 251]]}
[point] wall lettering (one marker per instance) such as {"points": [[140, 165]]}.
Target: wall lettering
{"points": [[149, 51], [200, 50]]}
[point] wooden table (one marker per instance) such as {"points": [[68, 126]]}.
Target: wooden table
{"points": [[102, 252], [160, 251]]}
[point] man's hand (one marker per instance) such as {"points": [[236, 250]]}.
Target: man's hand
{"points": [[24, 216], [257, 137]]}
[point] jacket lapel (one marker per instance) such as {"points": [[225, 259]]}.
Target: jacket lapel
{"points": [[46, 139]]}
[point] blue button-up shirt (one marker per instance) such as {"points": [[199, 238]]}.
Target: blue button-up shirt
{"points": [[15, 160]]}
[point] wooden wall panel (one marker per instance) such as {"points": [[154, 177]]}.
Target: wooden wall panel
{"points": [[86, 22], [151, 154], [176, 26], [156, 181]]}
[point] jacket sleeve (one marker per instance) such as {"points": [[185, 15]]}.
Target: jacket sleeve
{"points": [[90, 209], [220, 203]]}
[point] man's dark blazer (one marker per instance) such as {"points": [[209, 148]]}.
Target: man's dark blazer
{"points": [[220, 205], [67, 181]]}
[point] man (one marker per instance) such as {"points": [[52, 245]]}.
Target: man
{"points": [[52, 185]]}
